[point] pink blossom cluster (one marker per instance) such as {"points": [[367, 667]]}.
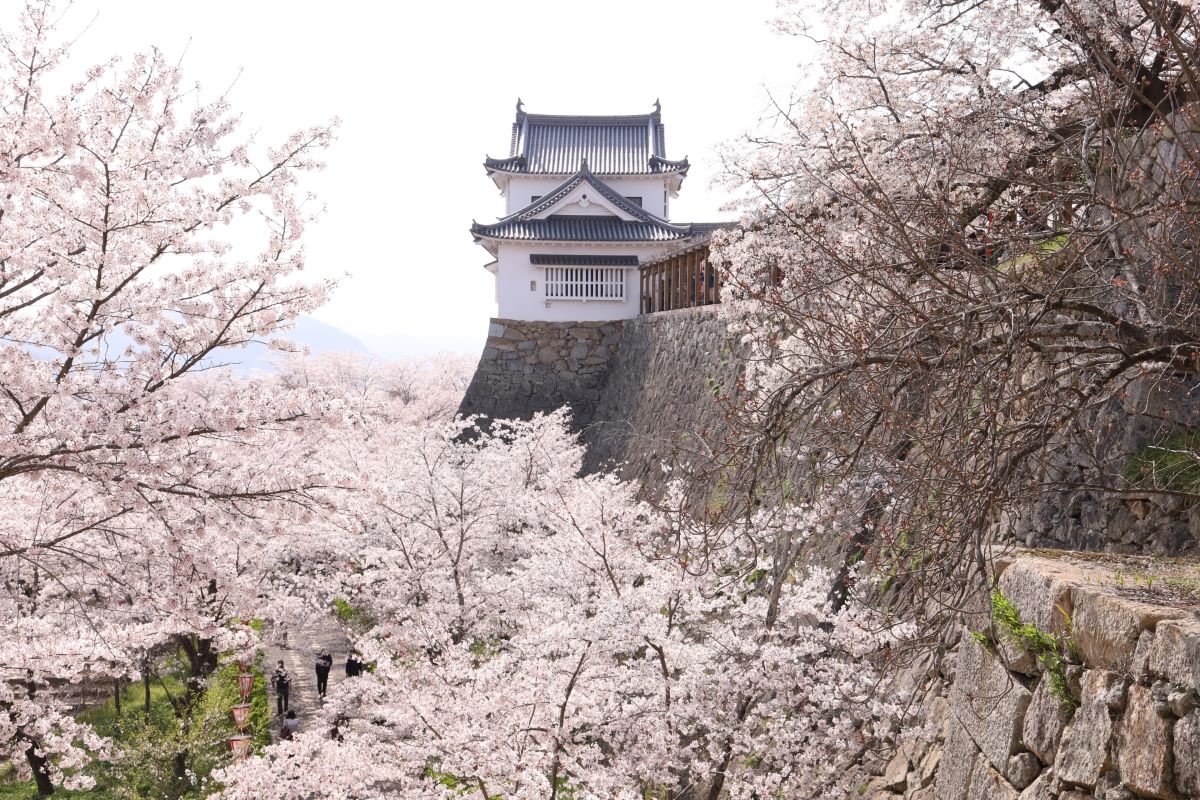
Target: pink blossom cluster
{"points": [[532, 628], [144, 488]]}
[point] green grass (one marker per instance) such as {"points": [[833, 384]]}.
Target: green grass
{"points": [[352, 615], [11, 789], [1046, 648], [1035, 252], [1171, 464], [142, 765]]}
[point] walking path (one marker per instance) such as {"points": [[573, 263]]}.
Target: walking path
{"points": [[299, 656]]}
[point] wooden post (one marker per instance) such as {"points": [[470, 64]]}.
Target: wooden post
{"points": [[693, 280], [674, 283], [117, 696], [716, 281], [686, 259], [677, 299], [685, 268], [684, 283]]}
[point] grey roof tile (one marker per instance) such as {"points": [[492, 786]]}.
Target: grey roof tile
{"points": [[525, 225], [550, 144], [580, 229]]}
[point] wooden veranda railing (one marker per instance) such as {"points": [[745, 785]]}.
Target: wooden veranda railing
{"points": [[681, 280]]}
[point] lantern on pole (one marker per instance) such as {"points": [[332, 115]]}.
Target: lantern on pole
{"points": [[240, 746], [245, 684], [241, 716]]}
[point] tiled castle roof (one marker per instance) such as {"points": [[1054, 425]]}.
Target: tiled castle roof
{"points": [[578, 228], [525, 224], [548, 144]]}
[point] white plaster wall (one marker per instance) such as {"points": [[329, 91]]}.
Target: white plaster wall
{"points": [[521, 190], [515, 299]]}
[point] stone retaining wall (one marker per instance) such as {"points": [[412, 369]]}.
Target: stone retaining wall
{"points": [[1073, 515], [652, 390], [643, 391], [1133, 668], [527, 367], [663, 400]]}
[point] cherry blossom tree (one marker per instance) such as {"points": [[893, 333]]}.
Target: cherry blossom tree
{"points": [[136, 488], [535, 633], [406, 392], [971, 234]]}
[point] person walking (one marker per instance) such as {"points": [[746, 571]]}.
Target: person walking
{"points": [[282, 683], [353, 665], [324, 664]]}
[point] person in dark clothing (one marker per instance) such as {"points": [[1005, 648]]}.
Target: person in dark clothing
{"points": [[282, 683], [353, 665], [289, 727], [340, 723], [324, 664]]}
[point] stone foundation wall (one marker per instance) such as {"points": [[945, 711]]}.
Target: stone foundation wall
{"points": [[1123, 519], [1133, 670], [643, 391], [527, 367], [654, 390], [662, 402]]}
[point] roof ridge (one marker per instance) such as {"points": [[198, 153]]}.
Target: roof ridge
{"points": [[590, 119], [614, 144]]}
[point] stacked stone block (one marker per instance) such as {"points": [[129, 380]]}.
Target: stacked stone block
{"points": [[1134, 669], [664, 400], [643, 391], [531, 367]]}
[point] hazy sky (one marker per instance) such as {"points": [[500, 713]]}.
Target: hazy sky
{"points": [[425, 91]]}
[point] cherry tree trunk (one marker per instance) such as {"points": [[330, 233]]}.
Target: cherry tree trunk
{"points": [[41, 771]]}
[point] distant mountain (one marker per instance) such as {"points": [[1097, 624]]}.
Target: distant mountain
{"points": [[400, 346], [317, 336], [309, 333]]}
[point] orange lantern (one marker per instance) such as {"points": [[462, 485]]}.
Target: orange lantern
{"points": [[241, 716], [245, 684], [240, 746]]}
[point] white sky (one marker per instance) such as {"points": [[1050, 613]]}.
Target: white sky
{"points": [[425, 91]]}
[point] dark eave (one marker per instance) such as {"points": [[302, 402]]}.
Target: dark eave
{"points": [[581, 260], [579, 228], [525, 224], [701, 235]]}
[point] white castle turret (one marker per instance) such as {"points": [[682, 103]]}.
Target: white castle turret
{"points": [[587, 201]]}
